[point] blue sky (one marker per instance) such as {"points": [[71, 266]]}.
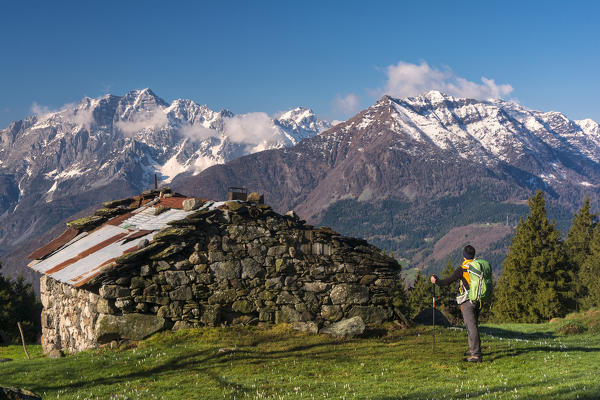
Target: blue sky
{"points": [[335, 57]]}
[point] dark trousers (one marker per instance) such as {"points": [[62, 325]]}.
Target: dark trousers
{"points": [[470, 313]]}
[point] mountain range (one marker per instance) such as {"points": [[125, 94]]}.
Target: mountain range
{"points": [[426, 173], [59, 163], [419, 176]]}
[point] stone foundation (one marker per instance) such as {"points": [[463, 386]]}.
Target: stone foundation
{"points": [[68, 318]]}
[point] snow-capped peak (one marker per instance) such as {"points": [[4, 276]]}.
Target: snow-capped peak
{"points": [[435, 96], [298, 115], [489, 131]]}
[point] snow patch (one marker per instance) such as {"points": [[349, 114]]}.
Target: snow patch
{"points": [[171, 168]]}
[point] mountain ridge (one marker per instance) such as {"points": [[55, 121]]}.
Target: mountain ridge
{"points": [[57, 163], [418, 161]]}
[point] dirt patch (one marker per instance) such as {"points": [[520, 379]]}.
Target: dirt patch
{"points": [[480, 236]]}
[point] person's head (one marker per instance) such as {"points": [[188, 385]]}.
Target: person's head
{"points": [[469, 252]]}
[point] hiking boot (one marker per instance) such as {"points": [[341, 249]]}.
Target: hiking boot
{"points": [[473, 359]]}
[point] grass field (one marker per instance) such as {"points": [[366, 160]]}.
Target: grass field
{"points": [[520, 361]]}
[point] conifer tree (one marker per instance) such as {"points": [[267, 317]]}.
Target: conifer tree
{"points": [[589, 272], [535, 284], [578, 247], [419, 295], [18, 304]]}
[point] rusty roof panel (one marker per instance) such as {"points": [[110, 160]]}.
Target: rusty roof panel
{"points": [[86, 266], [173, 202], [68, 235], [77, 258], [79, 246]]}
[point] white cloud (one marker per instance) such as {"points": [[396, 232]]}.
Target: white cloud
{"points": [[197, 132], [39, 110], [69, 112], [251, 130], [348, 104], [406, 79], [81, 116], [151, 119]]}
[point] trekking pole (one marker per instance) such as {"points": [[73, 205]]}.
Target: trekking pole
{"points": [[433, 318]]}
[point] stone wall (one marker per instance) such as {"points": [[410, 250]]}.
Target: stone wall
{"points": [[239, 265], [68, 317]]}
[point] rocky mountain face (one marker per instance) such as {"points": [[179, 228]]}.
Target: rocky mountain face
{"points": [[404, 172], [57, 164]]}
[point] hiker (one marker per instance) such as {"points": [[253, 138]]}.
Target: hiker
{"points": [[468, 308]]}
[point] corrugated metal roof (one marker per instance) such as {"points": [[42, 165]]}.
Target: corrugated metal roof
{"points": [[146, 219], [68, 235], [86, 253]]}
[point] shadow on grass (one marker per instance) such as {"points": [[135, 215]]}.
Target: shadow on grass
{"points": [[496, 355], [508, 334], [202, 362]]}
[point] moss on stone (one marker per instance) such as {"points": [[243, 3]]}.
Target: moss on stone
{"points": [[160, 209], [109, 212], [234, 205], [173, 233], [86, 223], [169, 251], [117, 203]]}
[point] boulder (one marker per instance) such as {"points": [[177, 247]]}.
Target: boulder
{"points": [[349, 294], [331, 313], [113, 291], [315, 286], [181, 293], [255, 197], [371, 315], [176, 278], [346, 328], [287, 314], [128, 326], [292, 214], [224, 270], [191, 204], [251, 269]]}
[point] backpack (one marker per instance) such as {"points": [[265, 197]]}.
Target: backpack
{"points": [[480, 273]]}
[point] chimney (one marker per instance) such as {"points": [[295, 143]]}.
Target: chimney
{"points": [[237, 193]]}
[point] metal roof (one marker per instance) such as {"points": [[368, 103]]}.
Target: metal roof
{"points": [[82, 256]]}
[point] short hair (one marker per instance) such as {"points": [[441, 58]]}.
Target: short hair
{"points": [[469, 252]]}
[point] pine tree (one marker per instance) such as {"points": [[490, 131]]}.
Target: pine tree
{"points": [[18, 304], [535, 284], [420, 295], [589, 272], [578, 247]]}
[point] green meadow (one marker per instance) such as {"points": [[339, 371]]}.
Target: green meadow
{"points": [[556, 360]]}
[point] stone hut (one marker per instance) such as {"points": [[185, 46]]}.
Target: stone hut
{"points": [[165, 261]]}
